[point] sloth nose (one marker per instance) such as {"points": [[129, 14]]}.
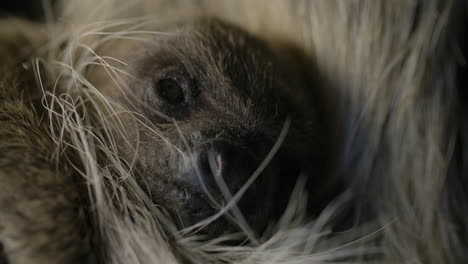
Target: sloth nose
{"points": [[221, 170]]}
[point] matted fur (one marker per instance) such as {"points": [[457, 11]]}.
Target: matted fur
{"points": [[389, 69]]}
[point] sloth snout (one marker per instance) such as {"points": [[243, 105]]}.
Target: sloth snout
{"points": [[221, 170], [217, 172]]}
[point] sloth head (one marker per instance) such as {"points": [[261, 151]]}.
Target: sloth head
{"points": [[216, 107]]}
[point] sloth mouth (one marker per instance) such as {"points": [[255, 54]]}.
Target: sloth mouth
{"points": [[216, 174], [201, 201], [214, 182], [194, 208]]}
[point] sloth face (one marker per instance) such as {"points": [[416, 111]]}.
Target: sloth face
{"points": [[218, 107]]}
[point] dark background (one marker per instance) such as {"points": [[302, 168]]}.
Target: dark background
{"points": [[31, 9]]}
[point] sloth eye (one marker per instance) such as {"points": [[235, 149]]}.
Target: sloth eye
{"points": [[170, 91]]}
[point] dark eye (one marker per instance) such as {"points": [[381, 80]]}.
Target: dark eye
{"points": [[170, 91]]}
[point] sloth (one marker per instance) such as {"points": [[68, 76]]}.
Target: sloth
{"points": [[213, 101], [219, 99], [234, 132]]}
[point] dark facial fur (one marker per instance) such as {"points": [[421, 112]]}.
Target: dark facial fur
{"points": [[219, 99]]}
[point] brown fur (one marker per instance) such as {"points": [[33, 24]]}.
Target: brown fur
{"points": [[243, 97], [41, 220]]}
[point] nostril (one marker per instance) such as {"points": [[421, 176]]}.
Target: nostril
{"points": [[219, 172], [202, 177], [221, 166], [215, 162]]}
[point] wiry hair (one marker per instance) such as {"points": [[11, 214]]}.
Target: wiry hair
{"points": [[389, 72]]}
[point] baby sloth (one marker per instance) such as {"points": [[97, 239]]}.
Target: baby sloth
{"points": [[217, 110]]}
